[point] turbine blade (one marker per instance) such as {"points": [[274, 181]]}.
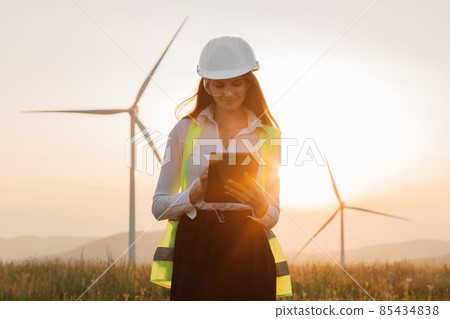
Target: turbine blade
{"points": [[149, 77], [317, 232], [147, 136], [374, 212], [102, 112], [334, 184]]}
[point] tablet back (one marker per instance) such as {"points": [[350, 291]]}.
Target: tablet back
{"points": [[228, 165]]}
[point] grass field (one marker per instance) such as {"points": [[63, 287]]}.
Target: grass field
{"points": [[56, 280]]}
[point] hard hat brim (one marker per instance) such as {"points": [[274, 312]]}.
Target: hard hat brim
{"points": [[225, 74]]}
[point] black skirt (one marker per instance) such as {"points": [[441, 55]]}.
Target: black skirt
{"points": [[229, 260]]}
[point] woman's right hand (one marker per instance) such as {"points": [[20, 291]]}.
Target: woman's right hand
{"points": [[197, 193]]}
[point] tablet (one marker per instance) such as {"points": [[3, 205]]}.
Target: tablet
{"points": [[223, 166]]}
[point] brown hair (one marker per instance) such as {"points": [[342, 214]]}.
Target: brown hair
{"points": [[254, 100]]}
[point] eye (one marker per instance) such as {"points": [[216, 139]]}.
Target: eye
{"points": [[218, 85], [237, 83]]}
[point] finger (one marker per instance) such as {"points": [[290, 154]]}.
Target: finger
{"points": [[253, 189], [234, 196], [239, 198], [236, 185], [203, 184], [203, 179], [251, 194], [237, 194]]}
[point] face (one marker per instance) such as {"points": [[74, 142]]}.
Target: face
{"points": [[228, 94]]}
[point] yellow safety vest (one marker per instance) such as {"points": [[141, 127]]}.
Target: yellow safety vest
{"points": [[162, 266]]}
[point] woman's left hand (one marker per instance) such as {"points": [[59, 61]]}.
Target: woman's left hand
{"points": [[252, 196]]}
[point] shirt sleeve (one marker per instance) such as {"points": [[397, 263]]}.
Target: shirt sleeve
{"points": [[271, 217], [168, 202]]}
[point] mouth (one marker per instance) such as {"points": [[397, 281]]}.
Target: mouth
{"points": [[229, 101]]}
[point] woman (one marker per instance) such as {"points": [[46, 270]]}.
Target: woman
{"points": [[222, 250]]}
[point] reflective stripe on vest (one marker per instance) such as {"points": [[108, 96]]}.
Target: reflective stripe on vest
{"points": [[162, 266]]}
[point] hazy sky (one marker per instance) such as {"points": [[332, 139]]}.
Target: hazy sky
{"points": [[376, 103]]}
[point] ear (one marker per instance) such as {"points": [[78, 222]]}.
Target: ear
{"points": [[205, 85]]}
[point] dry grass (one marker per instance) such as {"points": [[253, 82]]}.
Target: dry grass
{"points": [[384, 281], [57, 280]]}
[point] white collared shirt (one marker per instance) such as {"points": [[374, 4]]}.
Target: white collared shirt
{"points": [[169, 203]]}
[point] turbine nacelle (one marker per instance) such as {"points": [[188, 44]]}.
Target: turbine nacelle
{"points": [[133, 109]]}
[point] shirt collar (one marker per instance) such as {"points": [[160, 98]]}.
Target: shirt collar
{"points": [[252, 121]]}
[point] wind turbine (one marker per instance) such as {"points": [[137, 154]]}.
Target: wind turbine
{"points": [[341, 210], [133, 111]]}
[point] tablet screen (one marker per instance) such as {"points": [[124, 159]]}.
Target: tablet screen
{"points": [[228, 165]]}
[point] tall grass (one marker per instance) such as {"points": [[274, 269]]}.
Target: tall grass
{"points": [[383, 281], [58, 280]]}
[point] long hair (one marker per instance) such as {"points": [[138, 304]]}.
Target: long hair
{"points": [[254, 100]]}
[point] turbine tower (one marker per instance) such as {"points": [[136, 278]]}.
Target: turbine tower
{"points": [[133, 111], [341, 211]]}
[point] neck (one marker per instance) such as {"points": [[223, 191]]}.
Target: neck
{"points": [[230, 119]]}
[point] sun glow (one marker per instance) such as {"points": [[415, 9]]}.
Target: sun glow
{"points": [[356, 121]]}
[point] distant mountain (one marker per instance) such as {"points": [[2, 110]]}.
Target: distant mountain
{"points": [[415, 250], [18, 248], [114, 246], [445, 259], [92, 248]]}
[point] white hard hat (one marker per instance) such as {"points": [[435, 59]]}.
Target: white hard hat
{"points": [[226, 57]]}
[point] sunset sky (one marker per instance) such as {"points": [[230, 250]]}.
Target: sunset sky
{"points": [[375, 102]]}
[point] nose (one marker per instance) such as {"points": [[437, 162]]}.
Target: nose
{"points": [[227, 92]]}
